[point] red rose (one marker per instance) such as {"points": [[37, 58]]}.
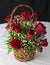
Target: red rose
{"points": [[8, 18], [17, 44], [16, 27], [43, 43], [40, 28], [25, 15], [30, 34]]}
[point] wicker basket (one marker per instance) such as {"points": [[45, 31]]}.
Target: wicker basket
{"points": [[22, 55]]}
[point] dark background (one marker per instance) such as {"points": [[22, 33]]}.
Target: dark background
{"points": [[42, 7]]}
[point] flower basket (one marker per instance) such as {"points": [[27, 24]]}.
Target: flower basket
{"points": [[24, 55], [25, 34]]}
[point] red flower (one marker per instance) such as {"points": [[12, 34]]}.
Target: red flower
{"points": [[25, 15], [16, 27], [17, 44], [8, 18], [7, 27], [43, 43], [30, 34], [40, 28]]}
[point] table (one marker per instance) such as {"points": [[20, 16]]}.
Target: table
{"points": [[40, 58]]}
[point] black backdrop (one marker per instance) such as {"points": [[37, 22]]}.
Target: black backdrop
{"points": [[42, 7]]}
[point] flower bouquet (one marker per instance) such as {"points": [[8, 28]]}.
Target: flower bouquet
{"points": [[26, 35]]}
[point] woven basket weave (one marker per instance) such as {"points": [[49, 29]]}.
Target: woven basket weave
{"points": [[22, 55]]}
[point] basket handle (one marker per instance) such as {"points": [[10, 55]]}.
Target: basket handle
{"points": [[21, 5]]}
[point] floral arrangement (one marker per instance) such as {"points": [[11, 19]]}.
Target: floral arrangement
{"points": [[26, 33]]}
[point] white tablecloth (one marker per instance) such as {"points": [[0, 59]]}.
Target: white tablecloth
{"points": [[40, 58]]}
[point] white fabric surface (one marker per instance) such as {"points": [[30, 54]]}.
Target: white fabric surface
{"points": [[40, 58]]}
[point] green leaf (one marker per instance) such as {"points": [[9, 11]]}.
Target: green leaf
{"points": [[31, 49], [25, 30], [9, 50]]}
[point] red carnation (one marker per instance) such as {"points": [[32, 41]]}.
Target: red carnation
{"points": [[40, 28], [30, 34], [17, 44], [16, 27], [44, 43], [25, 15], [8, 18]]}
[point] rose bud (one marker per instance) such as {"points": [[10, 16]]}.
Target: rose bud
{"points": [[44, 43], [40, 28], [30, 34], [25, 15], [17, 44], [8, 18]]}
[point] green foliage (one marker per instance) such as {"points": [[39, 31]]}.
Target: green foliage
{"points": [[9, 46]]}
